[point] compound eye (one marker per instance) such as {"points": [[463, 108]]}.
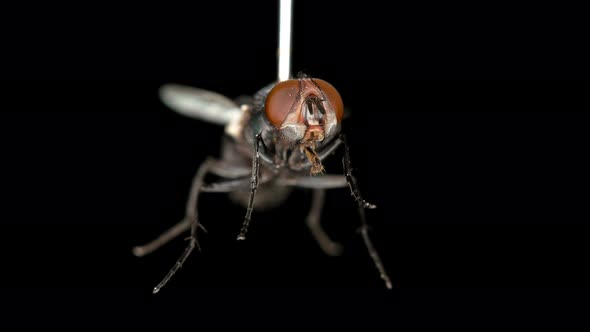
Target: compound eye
{"points": [[333, 97], [280, 100]]}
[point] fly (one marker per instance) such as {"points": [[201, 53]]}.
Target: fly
{"points": [[273, 142]]}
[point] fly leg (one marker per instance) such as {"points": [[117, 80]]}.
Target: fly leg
{"points": [[217, 167], [362, 205], [329, 247], [190, 221], [186, 223], [253, 187], [319, 184], [181, 227]]}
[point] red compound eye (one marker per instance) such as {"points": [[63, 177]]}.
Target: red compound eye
{"points": [[333, 97], [288, 95], [280, 100]]}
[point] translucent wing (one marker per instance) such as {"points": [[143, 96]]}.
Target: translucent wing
{"points": [[200, 104]]}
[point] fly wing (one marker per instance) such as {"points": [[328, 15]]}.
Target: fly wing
{"points": [[200, 104]]}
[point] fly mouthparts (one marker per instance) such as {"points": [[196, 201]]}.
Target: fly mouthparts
{"points": [[313, 134], [316, 163]]}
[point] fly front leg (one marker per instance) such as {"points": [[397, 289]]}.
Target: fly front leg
{"points": [[253, 187], [362, 205]]}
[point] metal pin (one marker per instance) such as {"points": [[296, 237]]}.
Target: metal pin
{"points": [[285, 39]]}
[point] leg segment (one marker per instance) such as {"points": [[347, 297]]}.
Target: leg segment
{"points": [[181, 227], [186, 223], [329, 247], [362, 205], [226, 186], [191, 218], [253, 187]]}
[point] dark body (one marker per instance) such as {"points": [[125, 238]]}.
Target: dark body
{"points": [[273, 142]]}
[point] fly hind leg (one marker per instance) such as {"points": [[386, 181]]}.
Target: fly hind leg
{"points": [[319, 185], [329, 247]]}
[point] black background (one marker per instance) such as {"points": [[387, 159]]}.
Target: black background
{"points": [[466, 130]]}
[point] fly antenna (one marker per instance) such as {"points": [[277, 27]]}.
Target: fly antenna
{"points": [[284, 52]]}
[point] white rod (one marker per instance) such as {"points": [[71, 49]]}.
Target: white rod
{"points": [[285, 14]]}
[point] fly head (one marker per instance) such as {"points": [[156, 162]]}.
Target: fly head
{"points": [[306, 112]]}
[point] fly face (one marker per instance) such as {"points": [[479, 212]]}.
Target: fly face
{"points": [[306, 112]]}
